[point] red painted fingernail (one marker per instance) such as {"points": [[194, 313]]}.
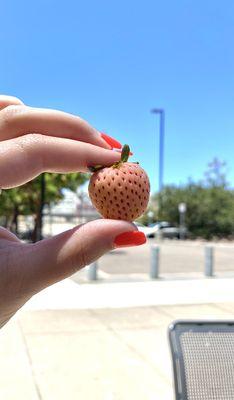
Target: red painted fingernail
{"points": [[134, 238], [111, 141]]}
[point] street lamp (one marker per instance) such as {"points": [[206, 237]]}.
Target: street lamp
{"points": [[161, 114]]}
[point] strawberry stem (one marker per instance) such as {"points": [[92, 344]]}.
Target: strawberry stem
{"points": [[125, 153], [124, 158], [95, 168]]}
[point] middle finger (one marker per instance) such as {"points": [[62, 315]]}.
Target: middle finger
{"points": [[20, 120]]}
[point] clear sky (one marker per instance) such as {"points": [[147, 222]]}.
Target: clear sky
{"points": [[112, 61]]}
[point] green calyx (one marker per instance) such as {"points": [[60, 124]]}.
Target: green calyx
{"points": [[125, 153], [124, 158]]}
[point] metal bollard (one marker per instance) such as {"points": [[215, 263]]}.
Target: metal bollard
{"points": [[92, 271], [209, 260], [154, 262]]}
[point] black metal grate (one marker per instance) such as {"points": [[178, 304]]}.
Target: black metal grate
{"points": [[208, 359]]}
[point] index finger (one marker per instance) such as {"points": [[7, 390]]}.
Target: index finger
{"points": [[24, 158]]}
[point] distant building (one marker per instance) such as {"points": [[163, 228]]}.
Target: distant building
{"points": [[73, 205]]}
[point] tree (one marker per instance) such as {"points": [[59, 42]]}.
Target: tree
{"points": [[210, 204], [210, 211], [150, 215], [215, 175], [25, 200], [9, 201]]}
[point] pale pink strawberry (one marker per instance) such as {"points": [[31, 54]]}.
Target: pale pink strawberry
{"points": [[120, 191]]}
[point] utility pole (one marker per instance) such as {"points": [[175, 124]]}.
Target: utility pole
{"points": [[161, 114]]}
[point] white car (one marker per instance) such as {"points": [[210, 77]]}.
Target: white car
{"points": [[149, 231], [163, 226]]}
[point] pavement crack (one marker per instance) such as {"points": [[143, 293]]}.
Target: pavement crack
{"points": [[129, 346], [29, 358], [138, 353]]}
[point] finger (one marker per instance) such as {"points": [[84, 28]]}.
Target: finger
{"points": [[8, 101], [24, 158], [51, 260], [7, 235], [18, 121]]}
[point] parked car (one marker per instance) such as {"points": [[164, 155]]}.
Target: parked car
{"points": [[164, 228], [149, 231], [173, 232], [152, 229]]}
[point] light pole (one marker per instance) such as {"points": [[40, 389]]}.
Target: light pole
{"points": [[161, 114]]}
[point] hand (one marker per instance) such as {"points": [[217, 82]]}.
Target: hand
{"points": [[33, 141]]}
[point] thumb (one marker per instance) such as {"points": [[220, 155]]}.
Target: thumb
{"points": [[59, 257]]}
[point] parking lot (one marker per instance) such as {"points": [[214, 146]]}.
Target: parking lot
{"points": [[177, 258]]}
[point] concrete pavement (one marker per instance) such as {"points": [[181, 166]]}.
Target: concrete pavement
{"points": [[103, 341], [101, 354], [124, 293]]}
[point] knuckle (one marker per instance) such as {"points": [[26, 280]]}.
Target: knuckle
{"points": [[10, 99], [29, 145], [15, 100], [5, 234], [31, 141], [9, 113]]}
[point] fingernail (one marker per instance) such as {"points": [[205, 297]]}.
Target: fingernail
{"points": [[134, 238], [111, 141]]}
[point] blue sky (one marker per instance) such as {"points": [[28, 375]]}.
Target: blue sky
{"points": [[111, 62]]}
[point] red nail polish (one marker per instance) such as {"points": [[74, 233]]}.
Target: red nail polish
{"points": [[111, 141], [134, 238]]}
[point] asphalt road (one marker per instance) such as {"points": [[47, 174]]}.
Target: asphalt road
{"points": [[175, 257], [178, 257]]}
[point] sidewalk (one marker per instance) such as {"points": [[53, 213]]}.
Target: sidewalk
{"points": [[103, 341], [129, 293]]}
